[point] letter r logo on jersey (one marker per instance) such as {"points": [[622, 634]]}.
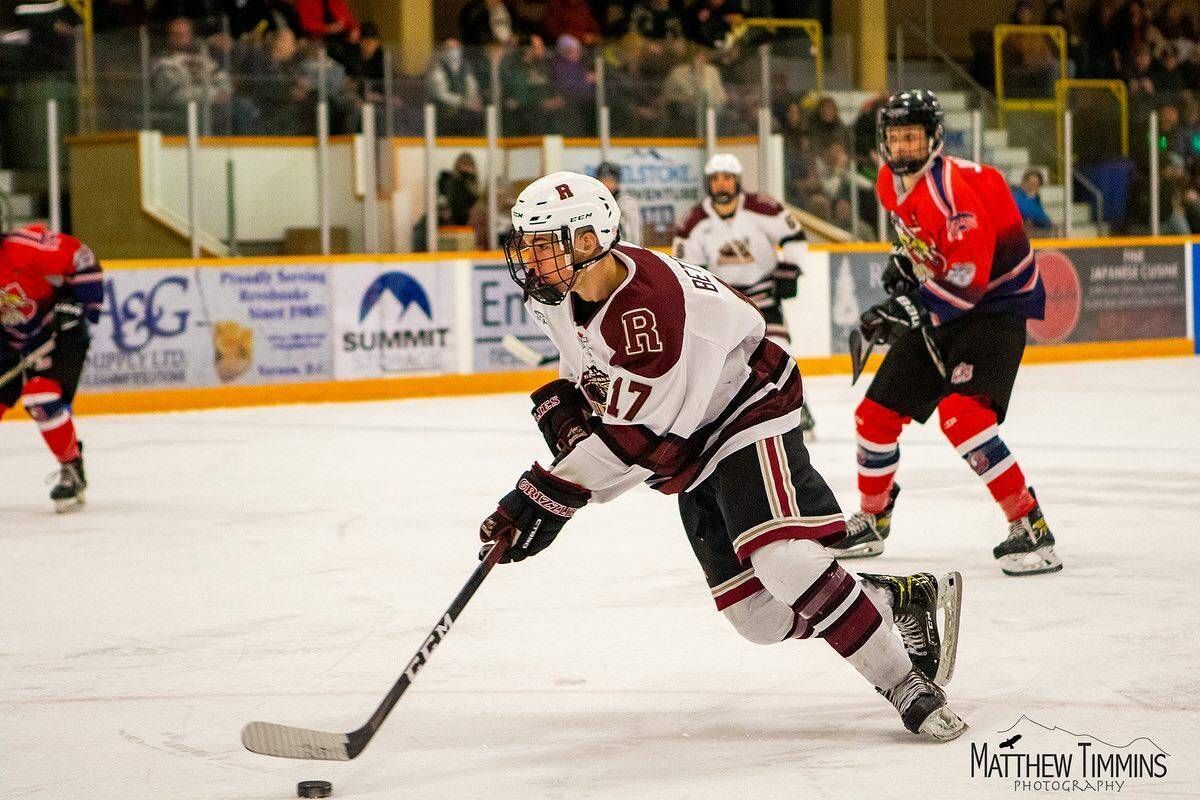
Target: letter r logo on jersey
{"points": [[564, 191], [641, 332]]}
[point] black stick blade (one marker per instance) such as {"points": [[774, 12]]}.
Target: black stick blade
{"points": [[285, 741], [858, 359]]}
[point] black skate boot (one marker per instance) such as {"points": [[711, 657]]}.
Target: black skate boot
{"points": [[69, 493], [915, 601], [923, 709], [1029, 548], [865, 532], [808, 425]]}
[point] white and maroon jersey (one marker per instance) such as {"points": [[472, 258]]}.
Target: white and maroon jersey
{"points": [[675, 364], [740, 249]]}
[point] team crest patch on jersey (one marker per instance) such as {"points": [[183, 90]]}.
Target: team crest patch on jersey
{"points": [[961, 274], [595, 388], [960, 224], [735, 251], [962, 373], [15, 305]]}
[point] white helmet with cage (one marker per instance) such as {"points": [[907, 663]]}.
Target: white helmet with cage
{"points": [[560, 205]]}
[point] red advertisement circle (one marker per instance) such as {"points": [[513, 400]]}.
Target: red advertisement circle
{"points": [[1064, 298]]}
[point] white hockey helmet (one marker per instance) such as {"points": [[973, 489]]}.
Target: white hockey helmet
{"points": [[561, 205], [723, 162]]}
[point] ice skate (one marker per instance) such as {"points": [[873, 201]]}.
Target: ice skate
{"points": [[923, 709], [1029, 548], [865, 532], [808, 425], [915, 601], [70, 491]]}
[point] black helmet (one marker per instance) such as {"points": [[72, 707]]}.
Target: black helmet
{"points": [[916, 107]]}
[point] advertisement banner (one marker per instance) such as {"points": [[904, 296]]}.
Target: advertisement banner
{"points": [[497, 310], [1105, 294], [152, 333], [393, 319], [855, 284], [666, 182], [269, 324]]}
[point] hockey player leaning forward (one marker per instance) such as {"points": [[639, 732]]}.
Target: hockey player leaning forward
{"points": [[733, 234], [668, 379], [50, 289], [963, 281]]}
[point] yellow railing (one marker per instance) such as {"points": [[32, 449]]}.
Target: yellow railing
{"points": [[811, 27], [87, 78], [1001, 32], [1064, 85]]}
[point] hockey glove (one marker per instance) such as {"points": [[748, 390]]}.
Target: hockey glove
{"points": [[899, 277], [562, 414], [786, 276], [533, 513], [888, 321]]}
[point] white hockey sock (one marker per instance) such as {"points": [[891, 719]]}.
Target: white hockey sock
{"points": [[882, 659], [882, 601]]}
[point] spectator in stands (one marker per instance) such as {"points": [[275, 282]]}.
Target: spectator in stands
{"points": [[576, 82], [655, 20], [571, 18], [708, 22], [458, 190], [454, 89], [486, 22], [1166, 73], [531, 105], [1133, 30], [186, 72], [1029, 201], [819, 205], [332, 22], [1030, 66], [694, 83], [1104, 39], [1056, 14], [825, 124], [834, 167], [277, 87], [1177, 26], [1139, 72], [365, 66], [864, 131]]}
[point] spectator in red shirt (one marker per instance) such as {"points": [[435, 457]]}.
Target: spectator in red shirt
{"points": [[330, 21], [571, 18]]}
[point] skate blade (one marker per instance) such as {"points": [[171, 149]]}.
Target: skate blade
{"points": [[865, 550], [943, 725], [1039, 562], [949, 600], [71, 504]]}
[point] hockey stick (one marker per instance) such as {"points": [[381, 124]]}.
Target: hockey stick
{"points": [[858, 357], [39, 352], [935, 354], [284, 741], [526, 353]]}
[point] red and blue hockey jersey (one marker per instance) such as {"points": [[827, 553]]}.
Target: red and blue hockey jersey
{"points": [[39, 269], [963, 232]]}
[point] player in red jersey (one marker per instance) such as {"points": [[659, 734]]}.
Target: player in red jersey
{"points": [[963, 281], [669, 378], [50, 289]]}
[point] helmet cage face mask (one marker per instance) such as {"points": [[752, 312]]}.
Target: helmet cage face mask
{"points": [[550, 278], [919, 108]]}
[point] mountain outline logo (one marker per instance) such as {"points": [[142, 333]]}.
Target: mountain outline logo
{"points": [[403, 287]]}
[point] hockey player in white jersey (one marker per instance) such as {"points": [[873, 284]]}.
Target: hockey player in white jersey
{"points": [[668, 378], [734, 234]]}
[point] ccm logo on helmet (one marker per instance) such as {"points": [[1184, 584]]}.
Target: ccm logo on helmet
{"points": [[564, 191]]}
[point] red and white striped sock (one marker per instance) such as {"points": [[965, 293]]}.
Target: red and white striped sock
{"points": [[971, 426], [878, 429]]}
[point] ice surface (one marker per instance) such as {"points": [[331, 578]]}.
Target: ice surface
{"points": [[283, 564]]}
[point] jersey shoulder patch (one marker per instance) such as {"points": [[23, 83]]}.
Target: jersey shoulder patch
{"points": [[694, 218], [644, 325], [761, 204]]}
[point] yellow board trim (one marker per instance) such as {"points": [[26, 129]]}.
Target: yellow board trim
{"points": [[157, 400], [1038, 244]]}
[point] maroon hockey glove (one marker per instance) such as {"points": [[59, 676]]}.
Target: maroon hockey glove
{"points": [[786, 277], [562, 414], [899, 277], [888, 321], [533, 513]]}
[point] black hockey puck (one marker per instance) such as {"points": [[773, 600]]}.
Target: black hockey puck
{"points": [[314, 789]]}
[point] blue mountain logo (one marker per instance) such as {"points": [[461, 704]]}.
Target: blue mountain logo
{"points": [[399, 285]]}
